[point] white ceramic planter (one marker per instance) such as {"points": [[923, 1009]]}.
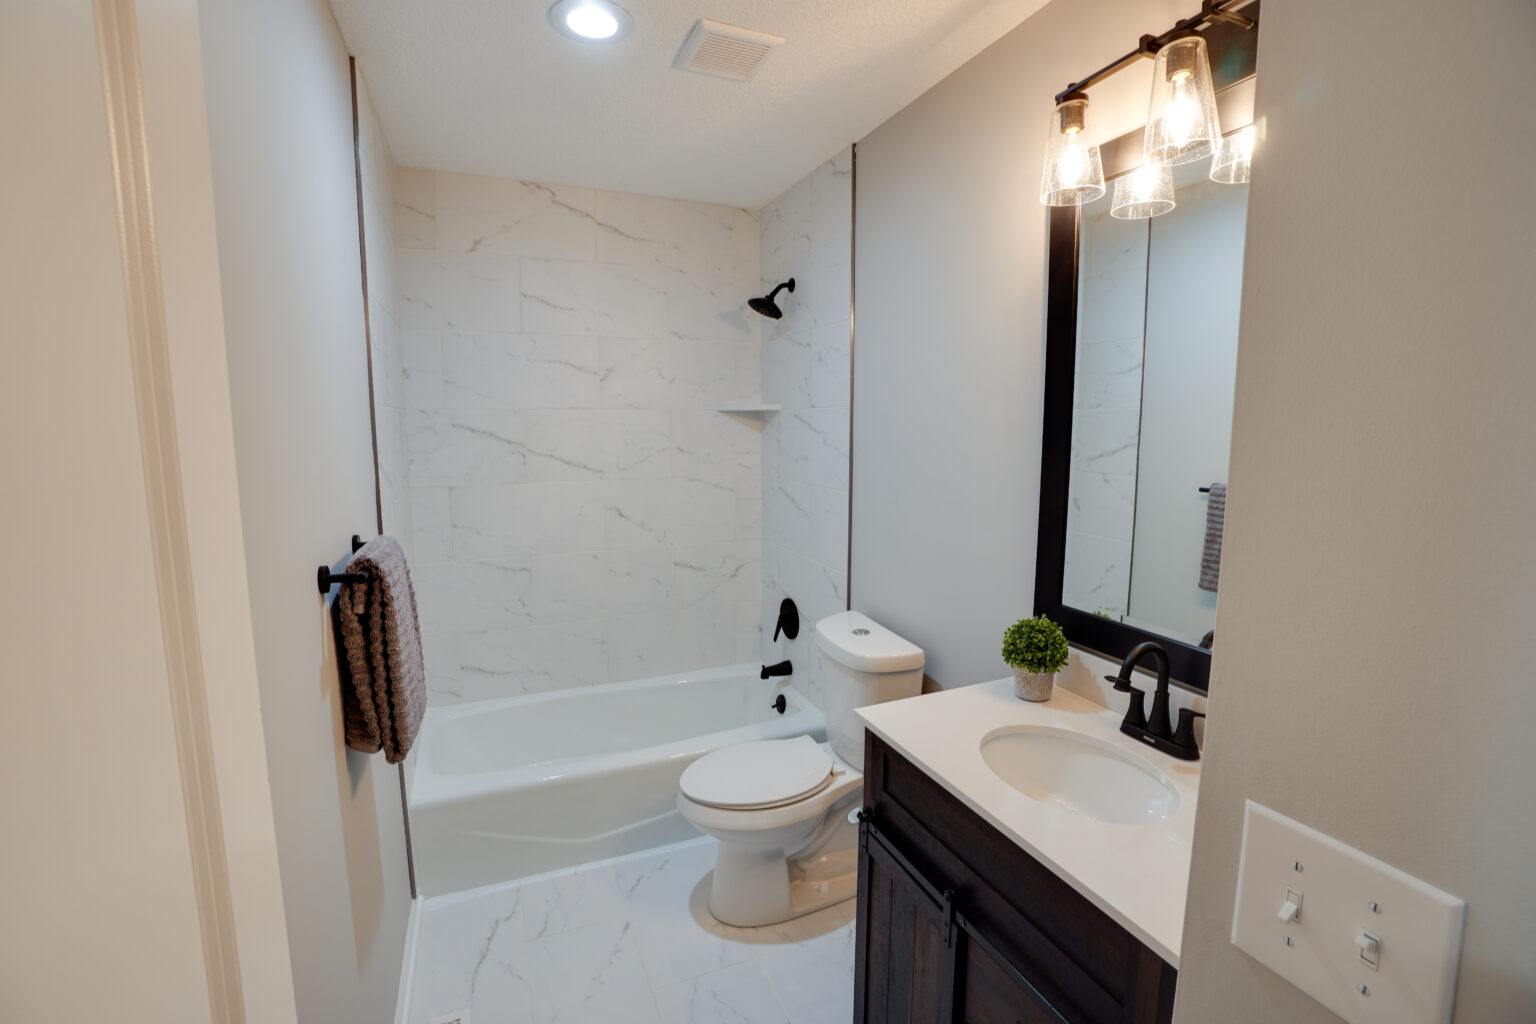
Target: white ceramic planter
{"points": [[1033, 686]]}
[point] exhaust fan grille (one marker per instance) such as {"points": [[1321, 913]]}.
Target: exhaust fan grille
{"points": [[726, 51]]}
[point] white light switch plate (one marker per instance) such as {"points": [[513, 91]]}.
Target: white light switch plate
{"points": [[1419, 926]]}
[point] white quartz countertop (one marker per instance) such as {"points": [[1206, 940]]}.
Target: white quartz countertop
{"points": [[1137, 874]]}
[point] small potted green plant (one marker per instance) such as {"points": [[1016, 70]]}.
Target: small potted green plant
{"points": [[1036, 649]]}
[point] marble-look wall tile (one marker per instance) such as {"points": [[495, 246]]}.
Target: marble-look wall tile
{"points": [[555, 368], [667, 642], [458, 292], [1105, 440], [814, 446], [465, 597], [432, 523], [420, 374], [706, 306], [500, 217], [665, 374], [1102, 504], [831, 365], [711, 444], [510, 520], [594, 298], [533, 659], [519, 371], [667, 232], [596, 444], [457, 446], [1100, 576], [806, 368], [415, 208]]}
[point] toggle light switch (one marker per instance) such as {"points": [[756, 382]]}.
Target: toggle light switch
{"points": [[1330, 951], [1369, 946]]}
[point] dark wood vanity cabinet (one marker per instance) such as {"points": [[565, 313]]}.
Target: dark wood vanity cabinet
{"points": [[957, 924]]}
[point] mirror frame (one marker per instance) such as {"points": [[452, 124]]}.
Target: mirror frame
{"points": [[1188, 665]]}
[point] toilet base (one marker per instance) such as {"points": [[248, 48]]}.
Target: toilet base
{"points": [[757, 886]]}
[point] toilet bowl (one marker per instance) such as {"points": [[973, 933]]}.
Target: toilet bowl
{"points": [[781, 810], [784, 810]]}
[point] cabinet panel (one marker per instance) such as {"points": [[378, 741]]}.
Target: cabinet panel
{"points": [[900, 974], [957, 923]]}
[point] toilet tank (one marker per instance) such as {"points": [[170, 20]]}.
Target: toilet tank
{"points": [[862, 663]]}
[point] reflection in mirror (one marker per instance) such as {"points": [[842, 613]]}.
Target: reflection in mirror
{"points": [[1158, 304]]}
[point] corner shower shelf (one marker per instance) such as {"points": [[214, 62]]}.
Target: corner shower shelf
{"points": [[750, 407]]}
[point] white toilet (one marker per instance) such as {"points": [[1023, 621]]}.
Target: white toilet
{"points": [[783, 809]]}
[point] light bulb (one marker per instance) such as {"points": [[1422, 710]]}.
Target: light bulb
{"points": [[1073, 173], [1181, 117], [591, 22], [1072, 165], [1145, 192]]}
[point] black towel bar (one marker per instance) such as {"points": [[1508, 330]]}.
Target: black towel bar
{"points": [[325, 577], [1203, 490]]}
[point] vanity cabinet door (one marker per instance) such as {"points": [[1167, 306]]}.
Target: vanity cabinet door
{"points": [[902, 939]]}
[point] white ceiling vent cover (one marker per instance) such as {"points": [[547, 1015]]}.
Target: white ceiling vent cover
{"points": [[726, 51]]}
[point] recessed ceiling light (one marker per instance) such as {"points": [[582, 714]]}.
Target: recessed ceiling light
{"points": [[590, 21]]}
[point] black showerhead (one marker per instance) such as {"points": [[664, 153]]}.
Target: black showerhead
{"points": [[766, 306]]}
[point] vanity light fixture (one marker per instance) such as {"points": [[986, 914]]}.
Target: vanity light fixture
{"points": [[1234, 157], [1074, 174], [1182, 125], [1181, 121], [590, 21], [1145, 192]]}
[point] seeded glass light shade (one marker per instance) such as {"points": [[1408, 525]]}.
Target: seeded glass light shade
{"points": [[1145, 192], [1074, 175], [1234, 157], [1181, 122]]}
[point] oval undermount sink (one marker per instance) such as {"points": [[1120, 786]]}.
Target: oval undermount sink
{"points": [[1095, 779]]}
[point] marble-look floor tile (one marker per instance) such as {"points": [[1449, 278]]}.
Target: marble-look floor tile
{"points": [[627, 940], [740, 994], [590, 976]]}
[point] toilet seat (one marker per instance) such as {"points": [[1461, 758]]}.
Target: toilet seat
{"points": [[760, 775]]}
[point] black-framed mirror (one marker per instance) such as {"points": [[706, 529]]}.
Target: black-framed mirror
{"points": [[1141, 346]]}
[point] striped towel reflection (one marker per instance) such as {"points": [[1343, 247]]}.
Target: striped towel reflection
{"points": [[1215, 523]]}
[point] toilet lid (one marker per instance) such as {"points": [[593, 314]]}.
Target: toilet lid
{"points": [[758, 775]]}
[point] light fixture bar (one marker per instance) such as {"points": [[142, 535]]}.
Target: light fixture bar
{"points": [[1211, 11]]}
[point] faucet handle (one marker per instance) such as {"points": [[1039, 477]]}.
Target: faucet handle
{"points": [[1122, 683], [1184, 735], [1135, 711]]}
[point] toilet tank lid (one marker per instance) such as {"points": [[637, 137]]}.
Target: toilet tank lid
{"points": [[859, 642]]}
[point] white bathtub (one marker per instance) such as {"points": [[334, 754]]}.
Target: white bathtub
{"points": [[513, 787]]}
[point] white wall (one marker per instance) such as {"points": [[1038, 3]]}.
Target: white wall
{"points": [[581, 512], [807, 233], [280, 118], [1380, 561], [949, 366]]}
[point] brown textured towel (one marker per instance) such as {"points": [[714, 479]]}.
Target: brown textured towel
{"points": [[385, 697], [1215, 525]]}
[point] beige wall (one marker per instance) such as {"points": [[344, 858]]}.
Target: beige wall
{"points": [[280, 112], [1379, 576], [948, 364], [98, 827], [95, 852]]}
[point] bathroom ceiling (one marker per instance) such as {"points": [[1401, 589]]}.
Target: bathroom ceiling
{"points": [[488, 87]]}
